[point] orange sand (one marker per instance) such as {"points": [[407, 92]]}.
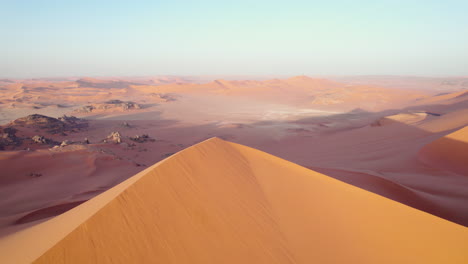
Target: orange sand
{"points": [[220, 202]]}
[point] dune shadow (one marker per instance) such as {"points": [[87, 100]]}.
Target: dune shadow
{"points": [[435, 189], [47, 212]]}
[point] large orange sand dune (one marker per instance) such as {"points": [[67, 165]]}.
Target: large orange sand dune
{"points": [[220, 202]]}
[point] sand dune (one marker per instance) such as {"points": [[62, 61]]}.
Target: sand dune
{"points": [[299, 91], [445, 98], [402, 118], [384, 159], [449, 152], [220, 202], [430, 84], [34, 183], [449, 121]]}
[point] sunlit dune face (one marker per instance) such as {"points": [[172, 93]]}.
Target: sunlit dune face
{"points": [[230, 203]]}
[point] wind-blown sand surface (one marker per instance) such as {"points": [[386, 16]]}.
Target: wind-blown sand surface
{"points": [[226, 203], [395, 143]]}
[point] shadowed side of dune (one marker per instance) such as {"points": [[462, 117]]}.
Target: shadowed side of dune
{"points": [[220, 202], [47, 212], [383, 186], [449, 152]]}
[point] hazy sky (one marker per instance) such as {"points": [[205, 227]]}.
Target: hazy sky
{"points": [[43, 38]]}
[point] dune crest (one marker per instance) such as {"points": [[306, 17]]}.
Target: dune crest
{"points": [[220, 202]]}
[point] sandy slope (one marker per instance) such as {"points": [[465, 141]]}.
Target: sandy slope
{"points": [[299, 91], [445, 98], [449, 152], [449, 121], [43, 183], [436, 84], [219, 202], [384, 159], [402, 118]]}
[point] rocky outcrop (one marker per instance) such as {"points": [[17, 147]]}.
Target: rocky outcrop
{"points": [[114, 137], [86, 109], [125, 105], [8, 138], [143, 138], [52, 125], [163, 97], [39, 121], [65, 143], [42, 140], [111, 105]]}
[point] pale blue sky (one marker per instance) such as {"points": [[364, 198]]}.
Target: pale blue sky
{"points": [[44, 38]]}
